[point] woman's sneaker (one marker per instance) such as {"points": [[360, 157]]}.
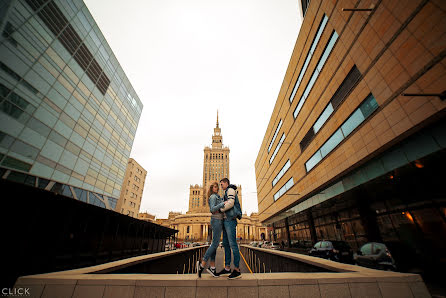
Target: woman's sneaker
{"points": [[235, 274], [199, 269], [224, 272], [212, 272]]}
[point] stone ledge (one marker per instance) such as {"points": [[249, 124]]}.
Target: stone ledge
{"points": [[247, 280], [37, 280], [191, 280], [346, 280], [107, 282], [249, 285]]}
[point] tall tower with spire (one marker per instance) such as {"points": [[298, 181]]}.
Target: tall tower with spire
{"points": [[217, 138], [215, 168], [215, 160]]}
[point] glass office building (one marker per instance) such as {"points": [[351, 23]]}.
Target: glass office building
{"points": [[68, 112]]}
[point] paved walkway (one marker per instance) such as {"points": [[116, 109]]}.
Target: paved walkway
{"points": [[220, 263]]}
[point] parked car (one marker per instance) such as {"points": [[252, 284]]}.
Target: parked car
{"points": [[253, 243], [273, 245], [375, 255], [264, 244], [333, 250]]}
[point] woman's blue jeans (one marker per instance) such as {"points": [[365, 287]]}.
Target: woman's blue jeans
{"points": [[217, 226], [230, 242]]}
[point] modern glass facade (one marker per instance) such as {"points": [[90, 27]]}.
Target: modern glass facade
{"points": [[68, 112]]}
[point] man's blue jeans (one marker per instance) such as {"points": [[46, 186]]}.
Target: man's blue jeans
{"points": [[230, 242], [217, 226]]}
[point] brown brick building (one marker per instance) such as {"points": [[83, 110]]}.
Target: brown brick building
{"points": [[355, 141], [132, 188], [215, 168]]}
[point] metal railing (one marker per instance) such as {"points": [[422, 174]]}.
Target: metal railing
{"points": [[262, 260], [181, 261]]}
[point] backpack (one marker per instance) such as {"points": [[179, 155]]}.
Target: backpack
{"points": [[238, 209]]}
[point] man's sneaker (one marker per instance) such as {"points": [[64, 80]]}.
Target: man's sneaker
{"points": [[224, 272], [199, 269], [212, 272], [235, 274]]}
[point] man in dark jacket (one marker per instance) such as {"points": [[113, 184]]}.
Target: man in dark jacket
{"points": [[230, 230]]}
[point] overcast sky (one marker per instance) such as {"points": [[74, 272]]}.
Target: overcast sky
{"points": [[186, 59]]}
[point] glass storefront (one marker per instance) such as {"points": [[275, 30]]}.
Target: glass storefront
{"points": [[404, 207]]}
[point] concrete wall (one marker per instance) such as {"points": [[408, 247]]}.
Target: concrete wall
{"points": [[357, 282]]}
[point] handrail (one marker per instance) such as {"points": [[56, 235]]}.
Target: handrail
{"points": [[155, 263], [262, 260]]}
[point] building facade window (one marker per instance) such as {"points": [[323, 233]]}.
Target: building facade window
{"points": [[275, 135], [330, 45], [367, 107], [284, 189], [338, 97], [282, 172], [309, 56], [277, 148], [305, 4]]}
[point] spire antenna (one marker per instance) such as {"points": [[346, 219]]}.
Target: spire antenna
{"points": [[217, 118]]}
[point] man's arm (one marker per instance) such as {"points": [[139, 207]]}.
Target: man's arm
{"points": [[230, 202], [213, 206]]}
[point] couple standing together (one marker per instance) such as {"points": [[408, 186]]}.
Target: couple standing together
{"points": [[225, 212]]}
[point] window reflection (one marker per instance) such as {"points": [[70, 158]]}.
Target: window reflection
{"points": [[323, 117], [277, 148], [355, 119], [275, 134], [282, 172], [316, 73], [314, 160], [284, 189], [368, 106], [309, 56], [331, 143]]}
